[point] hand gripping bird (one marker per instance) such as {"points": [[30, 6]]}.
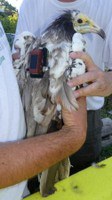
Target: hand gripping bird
{"points": [[39, 96]]}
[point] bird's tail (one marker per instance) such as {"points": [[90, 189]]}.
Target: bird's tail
{"points": [[52, 175]]}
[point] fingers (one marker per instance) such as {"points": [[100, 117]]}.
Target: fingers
{"points": [[94, 75], [84, 78], [101, 86], [86, 58], [100, 83], [98, 88], [90, 90]]}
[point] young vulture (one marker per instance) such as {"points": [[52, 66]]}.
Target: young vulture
{"points": [[39, 95]]}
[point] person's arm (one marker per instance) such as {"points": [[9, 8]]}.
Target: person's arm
{"points": [[99, 82], [21, 160]]}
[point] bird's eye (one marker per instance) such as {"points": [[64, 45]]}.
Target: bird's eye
{"points": [[25, 37], [79, 21]]}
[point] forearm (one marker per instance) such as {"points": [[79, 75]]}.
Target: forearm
{"points": [[23, 159]]}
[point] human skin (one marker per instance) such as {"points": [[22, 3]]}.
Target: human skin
{"points": [[99, 82], [21, 160]]}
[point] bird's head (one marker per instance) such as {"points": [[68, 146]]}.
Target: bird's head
{"points": [[70, 22], [83, 24]]}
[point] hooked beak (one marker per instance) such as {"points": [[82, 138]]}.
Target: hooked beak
{"points": [[83, 24], [101, 33], [91, 29]]}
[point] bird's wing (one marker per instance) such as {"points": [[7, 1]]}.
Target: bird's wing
{"points": [[67, 97], [43, 108], [25, 43]]}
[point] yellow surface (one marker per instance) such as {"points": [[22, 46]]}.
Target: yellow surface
{"points": [[90, 184]]}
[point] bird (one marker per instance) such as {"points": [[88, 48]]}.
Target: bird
{"points": [[39, 92]]}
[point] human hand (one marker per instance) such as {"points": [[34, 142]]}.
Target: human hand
{"points": [[76, 118], [99, 82]]}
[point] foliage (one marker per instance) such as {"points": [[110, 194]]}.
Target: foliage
{"points": [[8, 8], [8, 17], [9, 23]]}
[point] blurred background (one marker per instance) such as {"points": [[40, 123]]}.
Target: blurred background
{"points": [[8, 16]]}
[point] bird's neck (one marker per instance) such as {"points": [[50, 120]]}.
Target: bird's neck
{"points": [[61, 29]]}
